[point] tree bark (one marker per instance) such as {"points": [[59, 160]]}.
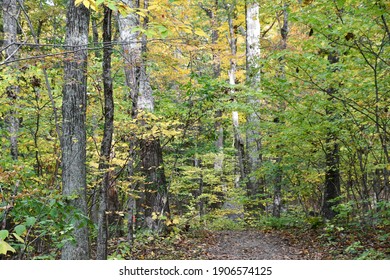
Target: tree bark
{"points": [[150, 152], [218, 163], [332, 177], [73, 127], [277, 201], [332, 158], [10, 25], [253, 140], [238, 141], [105, 150]]}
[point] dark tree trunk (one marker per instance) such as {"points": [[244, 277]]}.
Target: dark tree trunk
{"points": [[105, 150], [332, 178], [332, 158], [95, 36], [156, 196], [73, 127]]}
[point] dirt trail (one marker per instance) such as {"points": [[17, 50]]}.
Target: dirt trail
{"points": [[251, 245]]}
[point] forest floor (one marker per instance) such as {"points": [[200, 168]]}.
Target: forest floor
{"points": [[254, 245], [249, 244], [266, 244]]}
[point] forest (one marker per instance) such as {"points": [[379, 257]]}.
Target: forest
{"points": [[208, 129]]}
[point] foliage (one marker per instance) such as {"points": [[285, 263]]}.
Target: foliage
{"points": [[149, 246], [297, 112]]}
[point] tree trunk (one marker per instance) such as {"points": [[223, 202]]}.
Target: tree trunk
{"points": [[73, 127], [95, 36], [150, 152], [238, 141], [105, 150], [332, 158], [332, 177], [277, 201], [211, 13], [156, 196], [10, 25], [254, 183], [218, 163]]}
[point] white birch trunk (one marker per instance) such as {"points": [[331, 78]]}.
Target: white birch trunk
{"points": [[253, 141], [135, 70]]}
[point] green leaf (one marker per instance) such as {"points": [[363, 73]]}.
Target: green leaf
{"points": [[3, 234], [5, 247], [18, 238], [20, 229], [340, 3], [30, 221], [112, 7]]}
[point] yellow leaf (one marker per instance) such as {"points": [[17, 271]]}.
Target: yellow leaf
{"points": [[18, 238], [200, 32], [187, 30], [153, 7], [78, 2], [141, 14], [93, 5], [86, 3], [5, 247]]}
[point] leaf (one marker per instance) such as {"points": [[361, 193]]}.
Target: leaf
{"points": [[340, 3], [18, 238], [78, 2], [124, 10], [30, 221], [93, 6], [187, 29], [20, 229], [3, 234], [86, 3], [112, 7], [200, 32], [142, 14], [5, 247]]}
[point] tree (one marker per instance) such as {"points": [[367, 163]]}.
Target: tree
{"points": [[254, 184], [10, 24], [105, 150], [332, 154], [74, 130], [155, 190], [278, 181]]}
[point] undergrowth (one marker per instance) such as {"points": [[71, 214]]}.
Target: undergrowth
{"points": [[344, 237]]}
